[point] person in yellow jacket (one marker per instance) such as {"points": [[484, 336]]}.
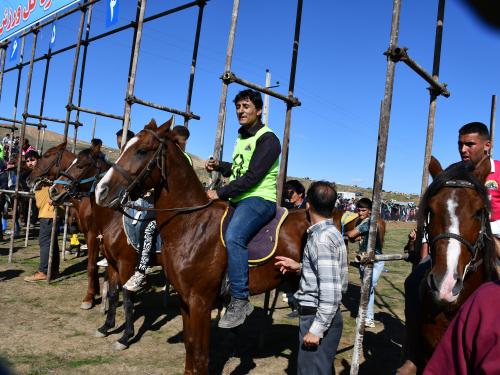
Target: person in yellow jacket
{"points": [[252, 174], [46, 215]]}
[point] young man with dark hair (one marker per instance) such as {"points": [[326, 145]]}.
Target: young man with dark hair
{"points": [[181, 135], [323, 279], [95, 146], [46, 214], [252, 174], [296, 194], [360, 233], [119, 135]]}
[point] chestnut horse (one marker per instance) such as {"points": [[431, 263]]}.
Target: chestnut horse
{"points": [[77, 184], [54, 161], [189, 223], [454, 215]]}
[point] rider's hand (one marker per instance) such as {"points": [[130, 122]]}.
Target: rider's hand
{"points": [[412, 236], [311, 340], [287, 264], [211, 164], [212, 194]]}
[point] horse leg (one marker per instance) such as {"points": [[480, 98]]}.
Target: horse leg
{"points": [[128, 333], [196, 338], [113, 302], [92, 272]]}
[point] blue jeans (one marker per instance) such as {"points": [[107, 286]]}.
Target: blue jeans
{"points": [[250, 215], [318, 360], [378, 267]]}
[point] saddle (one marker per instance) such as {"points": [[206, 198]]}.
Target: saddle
{"points": [[263, 245], [134, 228]]}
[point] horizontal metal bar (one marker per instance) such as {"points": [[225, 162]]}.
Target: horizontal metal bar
{"points": [[401, 54], [86, 110], [12, 192], [100, 36], [7, 126], [52, 119], [15, 121], [384, 257], [230, 77], [190, 115]]}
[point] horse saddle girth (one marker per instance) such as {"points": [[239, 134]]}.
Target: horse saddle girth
{"points": [[135, 228], [263, 245]]}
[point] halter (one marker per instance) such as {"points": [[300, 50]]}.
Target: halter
{"points": [[56, 162], [72, 185], [472, 248]]}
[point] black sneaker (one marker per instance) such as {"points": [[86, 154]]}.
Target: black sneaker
{"points": [[236, 313]]}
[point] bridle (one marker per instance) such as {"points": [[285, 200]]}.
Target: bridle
{"points": [[158, 160], [41, 178], [474, 248], [72, 184]]}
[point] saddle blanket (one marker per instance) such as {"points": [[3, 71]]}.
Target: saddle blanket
{"points": [[263, 245], [134, 228]]}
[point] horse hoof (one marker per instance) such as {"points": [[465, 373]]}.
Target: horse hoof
{"points": [[86, 305], [119, 346], [99, 334]]}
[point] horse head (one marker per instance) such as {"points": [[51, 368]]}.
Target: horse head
{"points": [[80, 178], [141, 166], [454, 214], [52, 162]]}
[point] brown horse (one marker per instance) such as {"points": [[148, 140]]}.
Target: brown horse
{"points": [[193, 253], [454, 214], [54, 161], [77, 185]]}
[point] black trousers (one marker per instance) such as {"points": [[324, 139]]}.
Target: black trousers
{"points": [[44, 242]]}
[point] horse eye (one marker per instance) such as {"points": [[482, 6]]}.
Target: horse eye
{"points": [[142, 152]]}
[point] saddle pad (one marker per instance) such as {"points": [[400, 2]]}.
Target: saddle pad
{"points": [[263, 245], [347, 217], [134, 228]]}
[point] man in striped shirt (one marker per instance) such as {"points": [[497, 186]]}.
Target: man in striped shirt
{"points": [[323, 280]]}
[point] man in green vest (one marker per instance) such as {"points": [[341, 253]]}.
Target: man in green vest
{"points": [[252, 191]]}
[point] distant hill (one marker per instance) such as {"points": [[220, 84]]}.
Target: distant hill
{"points": [[53, 139]]}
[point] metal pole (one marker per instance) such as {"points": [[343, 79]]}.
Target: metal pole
{"points": [[492, 121], [265, 110], [383, 134], [18, 86], [2, 68], [289, 106], [433, 99], [53, 235], [73, 74], [141, 4], [93, 128], [219, 135], [23, 131], [43, 141], [194, 59]]}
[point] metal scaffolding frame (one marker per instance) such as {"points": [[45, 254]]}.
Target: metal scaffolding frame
{"points": [[86, 10]]}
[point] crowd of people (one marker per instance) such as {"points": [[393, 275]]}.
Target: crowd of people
{"points": [[389, 210]]}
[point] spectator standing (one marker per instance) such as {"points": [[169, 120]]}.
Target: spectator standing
{"points": [[46, 214], [95, 146], [360, 233], [323, 280]]}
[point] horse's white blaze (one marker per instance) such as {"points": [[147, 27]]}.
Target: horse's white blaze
{"points": [[100, 186], [452, 253], [129, 144], [72, 164]]}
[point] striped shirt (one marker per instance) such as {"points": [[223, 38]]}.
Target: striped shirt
{"points": [[324, 274]]}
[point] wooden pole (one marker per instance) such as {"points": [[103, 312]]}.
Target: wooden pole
{"points": [[265, 110], [492, 120]]}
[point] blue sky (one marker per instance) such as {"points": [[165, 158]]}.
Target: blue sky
{"points": [[340, 79]]}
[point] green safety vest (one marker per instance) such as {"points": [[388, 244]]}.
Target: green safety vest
{"points": [[242, 154], [1, 151]]}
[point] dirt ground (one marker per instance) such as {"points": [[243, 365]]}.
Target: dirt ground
{"points": [[43, 330]]}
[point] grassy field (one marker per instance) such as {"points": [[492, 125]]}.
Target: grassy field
{"points": [[43, 330]]}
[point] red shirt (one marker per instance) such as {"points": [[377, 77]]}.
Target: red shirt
{"points": [[471, 344], [493, 185]]}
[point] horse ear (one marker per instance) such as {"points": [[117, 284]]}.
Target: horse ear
{"points": [[152, 125], [62, 145], [482, 169], [435, 167], [167, 126]]}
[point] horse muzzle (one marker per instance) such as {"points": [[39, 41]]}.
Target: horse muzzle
{"points": [[445, 289]]}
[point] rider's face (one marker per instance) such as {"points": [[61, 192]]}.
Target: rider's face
{"points": [[472, 147], [247, 113], [364, 213], [31, 162]]}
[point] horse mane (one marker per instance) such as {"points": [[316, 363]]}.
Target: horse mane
{"points": [[462, 171]]}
